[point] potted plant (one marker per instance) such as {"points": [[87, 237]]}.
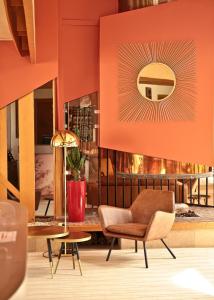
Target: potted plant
{"points": [[76, 185]]}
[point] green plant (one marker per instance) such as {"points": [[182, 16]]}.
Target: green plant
{"points": [[75, 162]]}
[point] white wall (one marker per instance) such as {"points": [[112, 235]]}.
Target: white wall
{"points": [[156, 90]]}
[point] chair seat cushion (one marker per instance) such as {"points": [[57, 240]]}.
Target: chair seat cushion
{"points": [[135, 229]]}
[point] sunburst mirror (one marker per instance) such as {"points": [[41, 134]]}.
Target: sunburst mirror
{"points": [[174, 97]]}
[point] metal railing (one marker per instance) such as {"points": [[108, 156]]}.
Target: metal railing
{"points": [[121, 189], [193, 189], [116, 185]]}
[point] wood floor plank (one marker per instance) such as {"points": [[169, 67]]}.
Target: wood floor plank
{"points": [[190, 276]]}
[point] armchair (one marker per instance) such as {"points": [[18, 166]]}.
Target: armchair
{"points": [[13, 247], [150, 217]]}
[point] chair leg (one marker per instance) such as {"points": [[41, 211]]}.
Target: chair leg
{"points": [[145, 255], [170, 251], [111, 246], [135, 246], [46, 211]]}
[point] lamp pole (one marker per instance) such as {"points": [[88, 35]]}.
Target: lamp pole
{"points": [[64, 139], [65, 187]]}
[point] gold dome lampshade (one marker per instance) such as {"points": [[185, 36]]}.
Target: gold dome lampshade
{"points": [[65, 138]]}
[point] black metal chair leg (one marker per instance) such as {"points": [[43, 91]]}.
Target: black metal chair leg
{"points": [[136, 246], [170, 251], [145, 255], [109, 252], [50, 256], [46, 211]]}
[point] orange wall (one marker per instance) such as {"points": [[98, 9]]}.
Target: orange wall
{"points": [[17, 75], [47, 26], [79, 48], [87, 9], [190, 141]]}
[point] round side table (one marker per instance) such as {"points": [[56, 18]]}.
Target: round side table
{"points": [[73, 238], [49, 233]]}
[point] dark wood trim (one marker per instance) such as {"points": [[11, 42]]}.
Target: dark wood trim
{"points": [[156, 81]]}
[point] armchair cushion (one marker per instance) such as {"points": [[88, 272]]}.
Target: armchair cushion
{"points": [[135, 229]]}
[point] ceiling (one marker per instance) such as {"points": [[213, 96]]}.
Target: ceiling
{"points": [[4, 28]]}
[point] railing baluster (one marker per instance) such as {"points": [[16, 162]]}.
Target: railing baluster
{"points": [[99, 176], [213, 188], [190, 187], [183, 191], [115, 177], [206, 199], [131, 188], [107, 178], [123, 192], [199, 194], [138, 185], [168, 184], [175, 190]]}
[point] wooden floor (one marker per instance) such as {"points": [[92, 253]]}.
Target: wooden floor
{"points": [[190, 276]]}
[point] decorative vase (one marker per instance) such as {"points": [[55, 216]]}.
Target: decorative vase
{"points": [[76, 191]]}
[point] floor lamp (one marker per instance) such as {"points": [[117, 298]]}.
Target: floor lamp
{"points": [[65, 139]]}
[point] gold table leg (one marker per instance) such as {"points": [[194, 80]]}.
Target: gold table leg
{"points": [[50, 256], [78, 258], [51, 267], [73, 252], [59, 256], [79, 262]]}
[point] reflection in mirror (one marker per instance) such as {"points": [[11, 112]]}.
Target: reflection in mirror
{"points": [[13, 146], [156, 81], [44, 168], [82, 114]]}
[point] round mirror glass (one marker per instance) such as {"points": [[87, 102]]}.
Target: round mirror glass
{"points": [[156, 81]]}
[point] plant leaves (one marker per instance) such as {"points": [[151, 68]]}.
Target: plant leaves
{"points": [[75, 162]]}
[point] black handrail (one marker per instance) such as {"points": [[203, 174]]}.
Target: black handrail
{"points": [[166, 176]]}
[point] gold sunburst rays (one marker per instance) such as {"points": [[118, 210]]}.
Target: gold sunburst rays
{"points": [[180, 56]]}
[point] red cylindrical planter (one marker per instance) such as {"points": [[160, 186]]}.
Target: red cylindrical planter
{"points": [[76, 191]]}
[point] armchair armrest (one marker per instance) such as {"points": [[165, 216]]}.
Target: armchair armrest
{"points": [[110, 215], [159, 226]]}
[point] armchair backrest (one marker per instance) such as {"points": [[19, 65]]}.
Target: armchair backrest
{"points": [[150, 201]]}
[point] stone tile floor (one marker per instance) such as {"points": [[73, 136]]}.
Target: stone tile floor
{"points": [[206, 214]]}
